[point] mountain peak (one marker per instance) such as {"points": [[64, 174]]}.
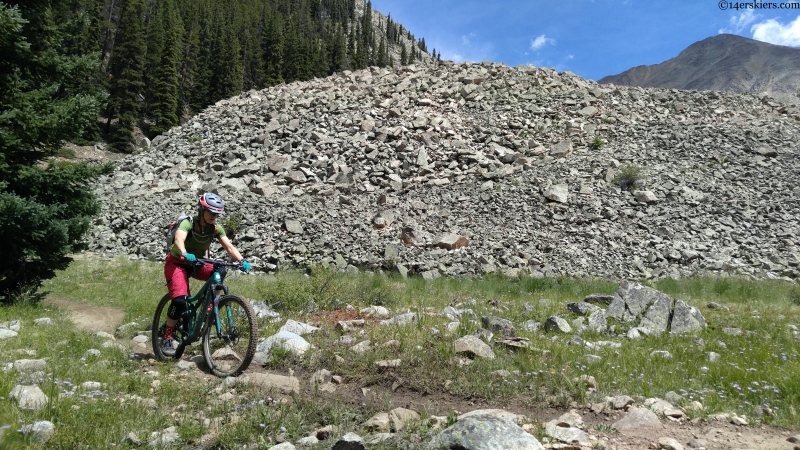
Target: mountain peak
{"points": [[724, 62]]}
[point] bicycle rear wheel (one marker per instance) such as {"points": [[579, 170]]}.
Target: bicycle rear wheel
{"points": [[231, 352], [157, 330]]}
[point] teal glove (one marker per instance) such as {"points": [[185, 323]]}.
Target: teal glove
{"points": [[188, 257], [246, 266]]}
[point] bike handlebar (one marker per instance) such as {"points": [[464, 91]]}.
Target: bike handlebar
{"points": [[216, 263]]}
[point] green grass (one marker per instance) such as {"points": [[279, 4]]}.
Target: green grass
{"points": [[758, 368]]}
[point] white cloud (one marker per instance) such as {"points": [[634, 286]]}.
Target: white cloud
{"points": [[774, 32], [466, 38], [541, 41], [740, 22]]}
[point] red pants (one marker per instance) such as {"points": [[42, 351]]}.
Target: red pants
{"points": [[177, 273]]}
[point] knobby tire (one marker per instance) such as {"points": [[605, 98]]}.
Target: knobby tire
{"points": [[231, 358]]}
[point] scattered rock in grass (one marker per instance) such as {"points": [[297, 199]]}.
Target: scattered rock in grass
{"points": [[268, 381], [349, 441], [513, 342], [166, 438], [376, 311], [557, 324], [518, 419], [402, 319], [388, 363], [298, 328], [347, 325], [284, 340], [621, 402], [638, 418], [308, 441], [565, 432], [30, 365], [43, 321], [498, 325], [400, 417], [41, 430], [379, 422], [582, 308], [713, 357], [661, 354], [484, 431], [733, 331], [673, 397], [528, 309], [361, 347], [599, 299], [5, 333], [713, 305], [473, 346], [13, 325], [655, 310]]}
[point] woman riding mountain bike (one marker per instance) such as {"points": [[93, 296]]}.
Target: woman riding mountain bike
{"points": [[192, 240]]}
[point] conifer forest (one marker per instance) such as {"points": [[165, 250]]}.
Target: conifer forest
{"points": [[160, 61]]}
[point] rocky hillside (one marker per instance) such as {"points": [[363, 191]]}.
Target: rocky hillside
{"points": [[391, 169], [724, 63]]}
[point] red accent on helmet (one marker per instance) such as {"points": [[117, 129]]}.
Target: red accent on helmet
{"points": [[212, 202]]}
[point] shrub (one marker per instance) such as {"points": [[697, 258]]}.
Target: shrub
{"points": [[232, 223], [629, 177], [598, 143]]}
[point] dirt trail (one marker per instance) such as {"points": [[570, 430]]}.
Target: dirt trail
{"points": [[714, 434], [89, 317]]}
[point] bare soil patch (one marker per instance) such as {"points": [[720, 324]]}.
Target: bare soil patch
{"points": [[89, 317]]}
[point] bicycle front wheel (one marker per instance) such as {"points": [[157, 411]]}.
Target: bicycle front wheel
{"points": [[230, 351]]}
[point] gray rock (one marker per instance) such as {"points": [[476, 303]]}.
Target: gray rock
{"points": [[41, 430], [29, 397], [484, 432], [498, 325], [668, 443], [638, 418], [556, 430], [656, 319], [298, 328], [248, 144], [686, 319], [284, 340], [293, 226], [473, 346], [558, 324], [562, 149], [166, 438], [557, 193], [30, 365], [349, 441], [645, 196], [582, 308]]}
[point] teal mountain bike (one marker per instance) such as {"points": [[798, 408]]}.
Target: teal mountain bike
{"points": [[228, 327]]}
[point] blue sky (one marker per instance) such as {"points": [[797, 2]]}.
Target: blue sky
{"points": [[592, 38]]}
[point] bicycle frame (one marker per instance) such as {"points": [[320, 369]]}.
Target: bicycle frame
{"points": [[195, 316]]}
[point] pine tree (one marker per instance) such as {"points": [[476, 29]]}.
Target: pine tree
{"points": [[127, 84], [44, 207], [164, 107], [273, 51], [403, 54], [227, 78]]}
